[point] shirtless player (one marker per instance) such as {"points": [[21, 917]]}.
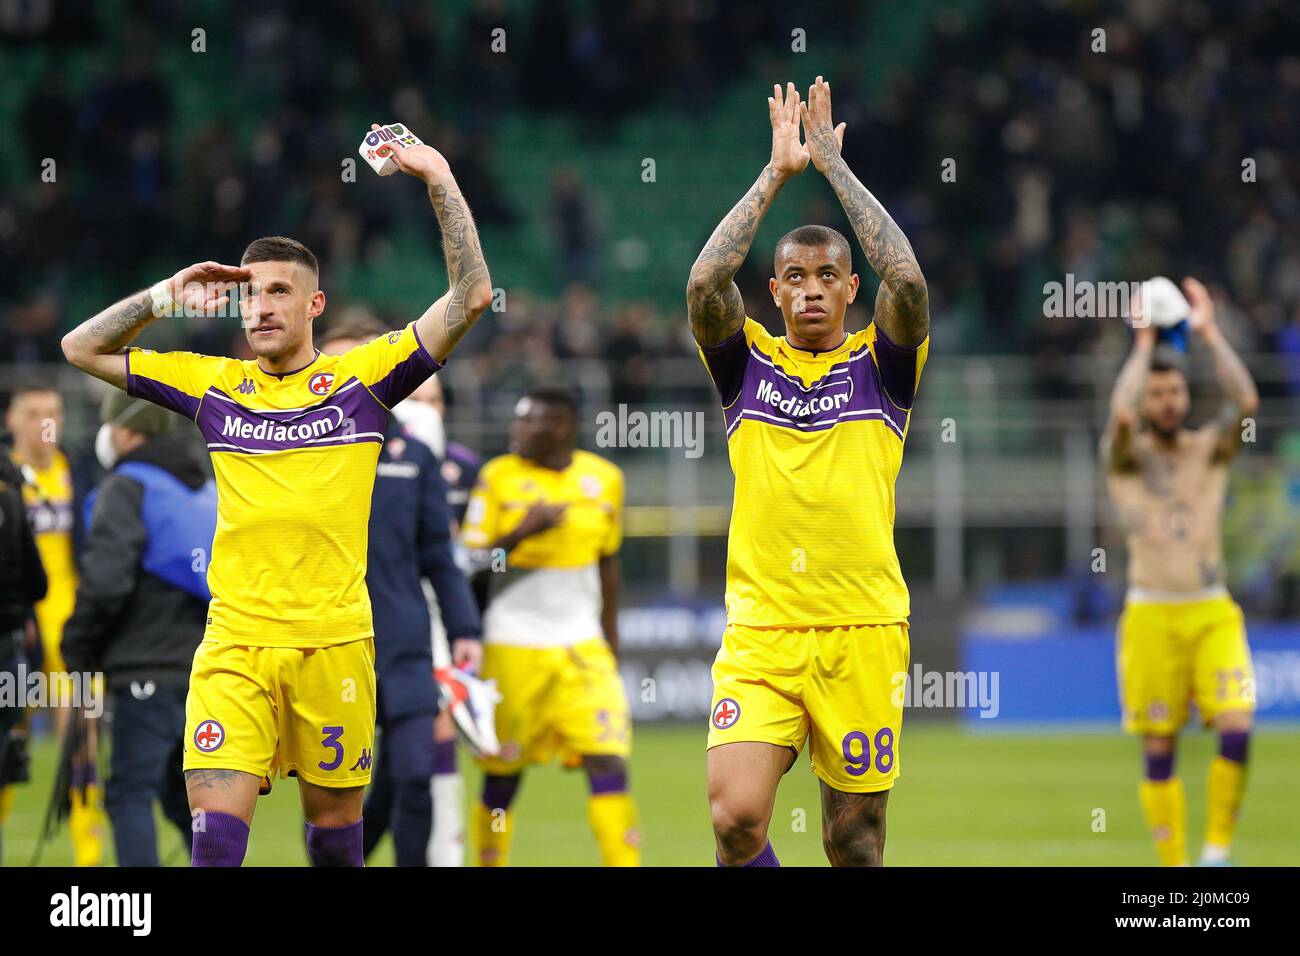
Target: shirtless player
{"points": [[1181, 636]]}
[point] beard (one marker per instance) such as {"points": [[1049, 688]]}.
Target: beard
{"points": [[1165, 433]]}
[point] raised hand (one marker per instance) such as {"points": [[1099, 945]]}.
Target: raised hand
{"points": [[789, 156], [1201, 317], [204, 288], [423, 162], [824, 139]]}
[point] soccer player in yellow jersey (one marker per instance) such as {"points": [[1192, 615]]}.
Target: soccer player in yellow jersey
{"points": [[816, 635], [35, 417], [546, 521], [1181, 636], [285, 674]]}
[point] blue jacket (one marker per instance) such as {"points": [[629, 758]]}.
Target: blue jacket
{"points": [[410, 539]]}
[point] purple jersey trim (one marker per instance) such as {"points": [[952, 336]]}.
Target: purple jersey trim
{"points": [[284, 375], [349, 416], [160, 393], [726, 363], [850, 390], [897, 369], [407, 375]]}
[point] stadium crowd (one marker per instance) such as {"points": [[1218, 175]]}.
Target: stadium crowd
{"points": [[1039, 130]]}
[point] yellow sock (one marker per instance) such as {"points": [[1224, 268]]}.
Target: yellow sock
{"points": [[613, 818], [1226, 787], [86, 826], [492, 831], [1164, 806], [7, 795]]}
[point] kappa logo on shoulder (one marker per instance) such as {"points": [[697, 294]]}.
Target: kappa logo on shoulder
{"points": [[246, 387], [322, 383]]}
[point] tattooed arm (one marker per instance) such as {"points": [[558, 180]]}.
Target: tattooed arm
{"points": [[1241, 398], [903, 300], [98, 345], [447, 321], [713, 302], [1117, 441]]}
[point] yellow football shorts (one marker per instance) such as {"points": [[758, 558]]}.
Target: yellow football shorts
{"points": [[305, 711], [1170, 654], [840, 686], [565, 701]]}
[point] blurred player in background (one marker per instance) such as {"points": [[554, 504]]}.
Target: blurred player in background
{"points": [[410, 545], [546, 523], [424, 414], [1181, 636], [54, 490], [21, 586], [285, 674], [816, 604]]}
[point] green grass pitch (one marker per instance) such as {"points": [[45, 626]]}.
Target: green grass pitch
{"points": [[965, 799]]}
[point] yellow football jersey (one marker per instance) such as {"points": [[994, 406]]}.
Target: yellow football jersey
{"points": [[50, 500], [816, 443], [548, 592], [295, 458]]}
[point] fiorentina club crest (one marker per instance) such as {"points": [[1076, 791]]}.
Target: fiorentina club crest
{"points": [[320, 384], [725, 713], [209, 735]]}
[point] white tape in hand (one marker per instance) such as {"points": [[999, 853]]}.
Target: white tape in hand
{"points": [[377, 148]]}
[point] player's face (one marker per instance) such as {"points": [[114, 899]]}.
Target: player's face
{"points": [[538, 429], [813, 287], [278, 307], [35, 418], [1166, 401]]}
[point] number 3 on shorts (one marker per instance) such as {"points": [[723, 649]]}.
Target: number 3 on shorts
{"points": [[857, 746], [331, 742]]}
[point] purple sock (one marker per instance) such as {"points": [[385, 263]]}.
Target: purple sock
{"points": [[1160, 766], [222, 841], [608, 783], [1234, 745], [444, 757], [767, 857], [335, 846], [499, 792]]}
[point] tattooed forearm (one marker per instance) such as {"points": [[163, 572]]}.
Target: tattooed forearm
{"points": [[112, 329], [1234, 378], [467, 272], [1117, 443], [903, 302], [713, 303]]}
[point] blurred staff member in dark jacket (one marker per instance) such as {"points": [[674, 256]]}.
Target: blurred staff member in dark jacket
{"points": [[401, 553], [22, 584], [141, 608]]}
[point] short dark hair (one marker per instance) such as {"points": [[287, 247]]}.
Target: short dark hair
{"points": [[30, 383], [561, 396], [280, 249], [361, 327], [813, 236]]}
